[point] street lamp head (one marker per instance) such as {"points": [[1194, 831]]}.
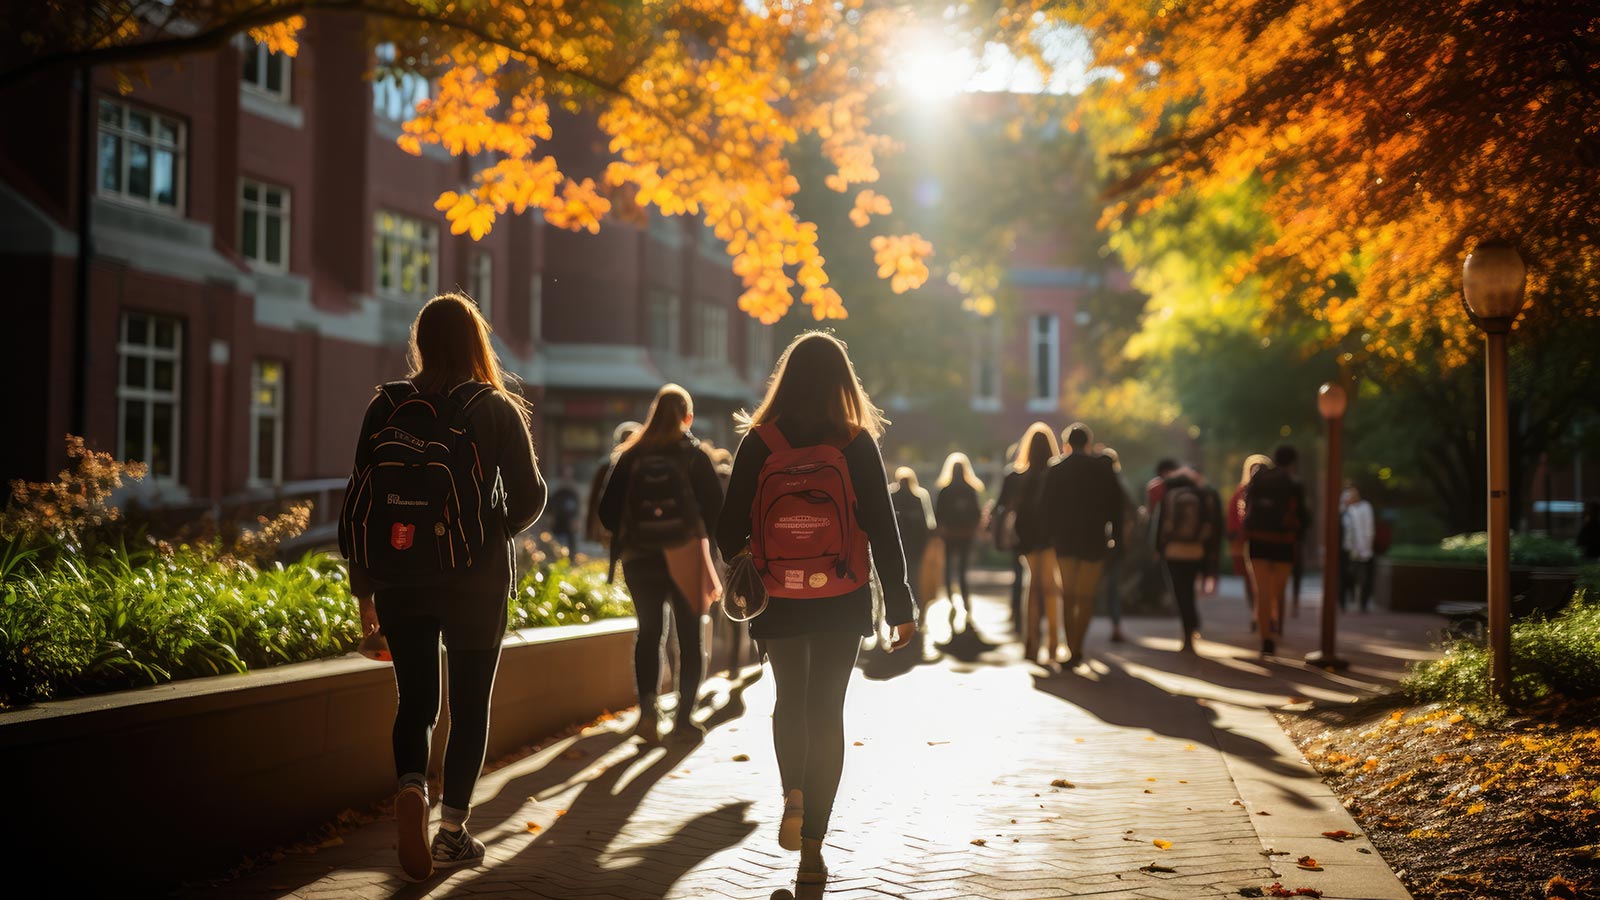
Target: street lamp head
{"points": [[1331, 401], [1493, 280]]}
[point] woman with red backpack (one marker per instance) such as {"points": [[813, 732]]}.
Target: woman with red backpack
{"points": [[808, 501], [959, 512], [429, 560], [661, 503]]}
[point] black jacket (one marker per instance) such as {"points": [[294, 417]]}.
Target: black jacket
{"points": [[852, 612], [1082, 504], [702, 480]]}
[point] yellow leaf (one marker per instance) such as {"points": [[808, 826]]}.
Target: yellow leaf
{"points": [[1161, 844]]}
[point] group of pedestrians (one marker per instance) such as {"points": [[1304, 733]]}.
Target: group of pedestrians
{"points": [[445, 477]]}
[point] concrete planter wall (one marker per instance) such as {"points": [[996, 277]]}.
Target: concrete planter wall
{"points": [[1407, 586], [148, 786]]}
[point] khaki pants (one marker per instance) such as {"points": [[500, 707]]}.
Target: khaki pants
{"points": [[1079, 580], [1043, 601], [1271, 580]]}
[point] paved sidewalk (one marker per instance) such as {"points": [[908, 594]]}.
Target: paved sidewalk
{"points": [[948, 785]]}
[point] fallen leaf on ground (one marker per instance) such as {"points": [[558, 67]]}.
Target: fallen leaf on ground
{"points": [[742, 757], [936, 743], [1251, 892], [1062, 783], [1559, 888], [534, 827], [1155, 867], [1149, 779], [1237, 802], [1309, 863], [1161, 844], [1262, 812], [1363, 850], [856, 744], [1188, 746], [1276, 889], [979, 842], [1149, 737], [1340, 835]]}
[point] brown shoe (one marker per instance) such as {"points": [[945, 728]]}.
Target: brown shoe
{"points": [[411, 816], [812, 869]]}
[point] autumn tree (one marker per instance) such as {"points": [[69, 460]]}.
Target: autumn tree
{"points": [[700, 100], [1386, 137]]}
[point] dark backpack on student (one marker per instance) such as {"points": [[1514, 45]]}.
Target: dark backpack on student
{"points": [[909, 514], [418, 513], [1272, 508], [1186, 522], [805, 537], [961, 513], [659, 509]]}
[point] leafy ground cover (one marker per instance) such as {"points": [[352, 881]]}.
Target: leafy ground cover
{"points": [[1469, 798], [1473, 549]]}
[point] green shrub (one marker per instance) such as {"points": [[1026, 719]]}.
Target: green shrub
{"points": [[1558, 656], [566, 593], [1470, 549]]}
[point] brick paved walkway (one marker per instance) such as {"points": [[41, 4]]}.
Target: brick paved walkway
{"points": [[947, 791]]}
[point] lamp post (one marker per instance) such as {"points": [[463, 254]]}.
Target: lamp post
{"points": [[1331, 403], [1493, 281]]}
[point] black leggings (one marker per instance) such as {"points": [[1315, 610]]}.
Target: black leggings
{"points": [[1183, 574], [414, 642], [812, 672], [652, 589], [957, 558]]}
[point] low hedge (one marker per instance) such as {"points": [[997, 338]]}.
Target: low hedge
{"points": [[1473, 549]]}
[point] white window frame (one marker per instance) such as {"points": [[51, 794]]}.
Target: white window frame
{"points": [[536, 307], [757, 351], [260, 411], [986, 360], [666, 329], [480, 283], [147, 394], [261, 210], [177, 147], [713, 333], [259, 57], [394, 260], [396, 94], [1044, 346]]}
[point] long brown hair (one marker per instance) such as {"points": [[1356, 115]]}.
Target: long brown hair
{"points": [[959, 461], [1037, 448], [450, 345], [664, 426], [815, 388]]}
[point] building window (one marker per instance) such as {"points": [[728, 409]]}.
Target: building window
{"points": [[149, 385], [757, 351], [664, 311], [396, 91], [1044, 362], [403, 254], [986, 365], [536, 307], [266, 72], [480, 283], [141, 156], [266, 422], [264, 224], [713, 335]]}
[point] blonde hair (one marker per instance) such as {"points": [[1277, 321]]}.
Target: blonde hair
{"points": [[1252, 464], [665, 426], [948, 473], [450, 346], [1038, 439], [908, 475], [814, 386]]}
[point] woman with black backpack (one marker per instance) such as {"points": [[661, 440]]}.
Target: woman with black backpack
{"points": [[958, 511], [913, 516], [1031, 537], [661, 503], [451, 576], [808, 501]]}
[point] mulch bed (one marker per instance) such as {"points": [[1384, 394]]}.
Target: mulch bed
{"points": [[1465, 808]]}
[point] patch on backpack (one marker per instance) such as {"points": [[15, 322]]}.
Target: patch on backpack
{"points": [[794, 579], [818, 579], [401, 535], [438, 529]]}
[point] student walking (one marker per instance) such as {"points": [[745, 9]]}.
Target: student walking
{"points": [[564, 510], [1083, 503], [1111, 578], [1002, 531], [1030, 532], [1359, 527], [913, 515], [1188, 537], [958, 512], [592, 529], [1273, 524], [429, 561], [809, 501], [661, 503], [1253, 463]]}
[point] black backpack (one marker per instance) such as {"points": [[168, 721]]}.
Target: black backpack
{"points": [[1186, 520], [961, 513], [909, 513], [418, 513], [1272, 508], [659, 509]]}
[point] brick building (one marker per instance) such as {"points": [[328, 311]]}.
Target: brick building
{"points": [[260, 247]]}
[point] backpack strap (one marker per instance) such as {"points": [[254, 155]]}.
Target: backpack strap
{"points": [[468, 393], [397, 393], [773, 438]]}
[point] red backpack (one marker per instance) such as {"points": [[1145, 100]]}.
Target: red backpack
{"points": [[804, 536]]}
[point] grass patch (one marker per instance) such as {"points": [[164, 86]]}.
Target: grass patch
{"points": [[1556, 657]]}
